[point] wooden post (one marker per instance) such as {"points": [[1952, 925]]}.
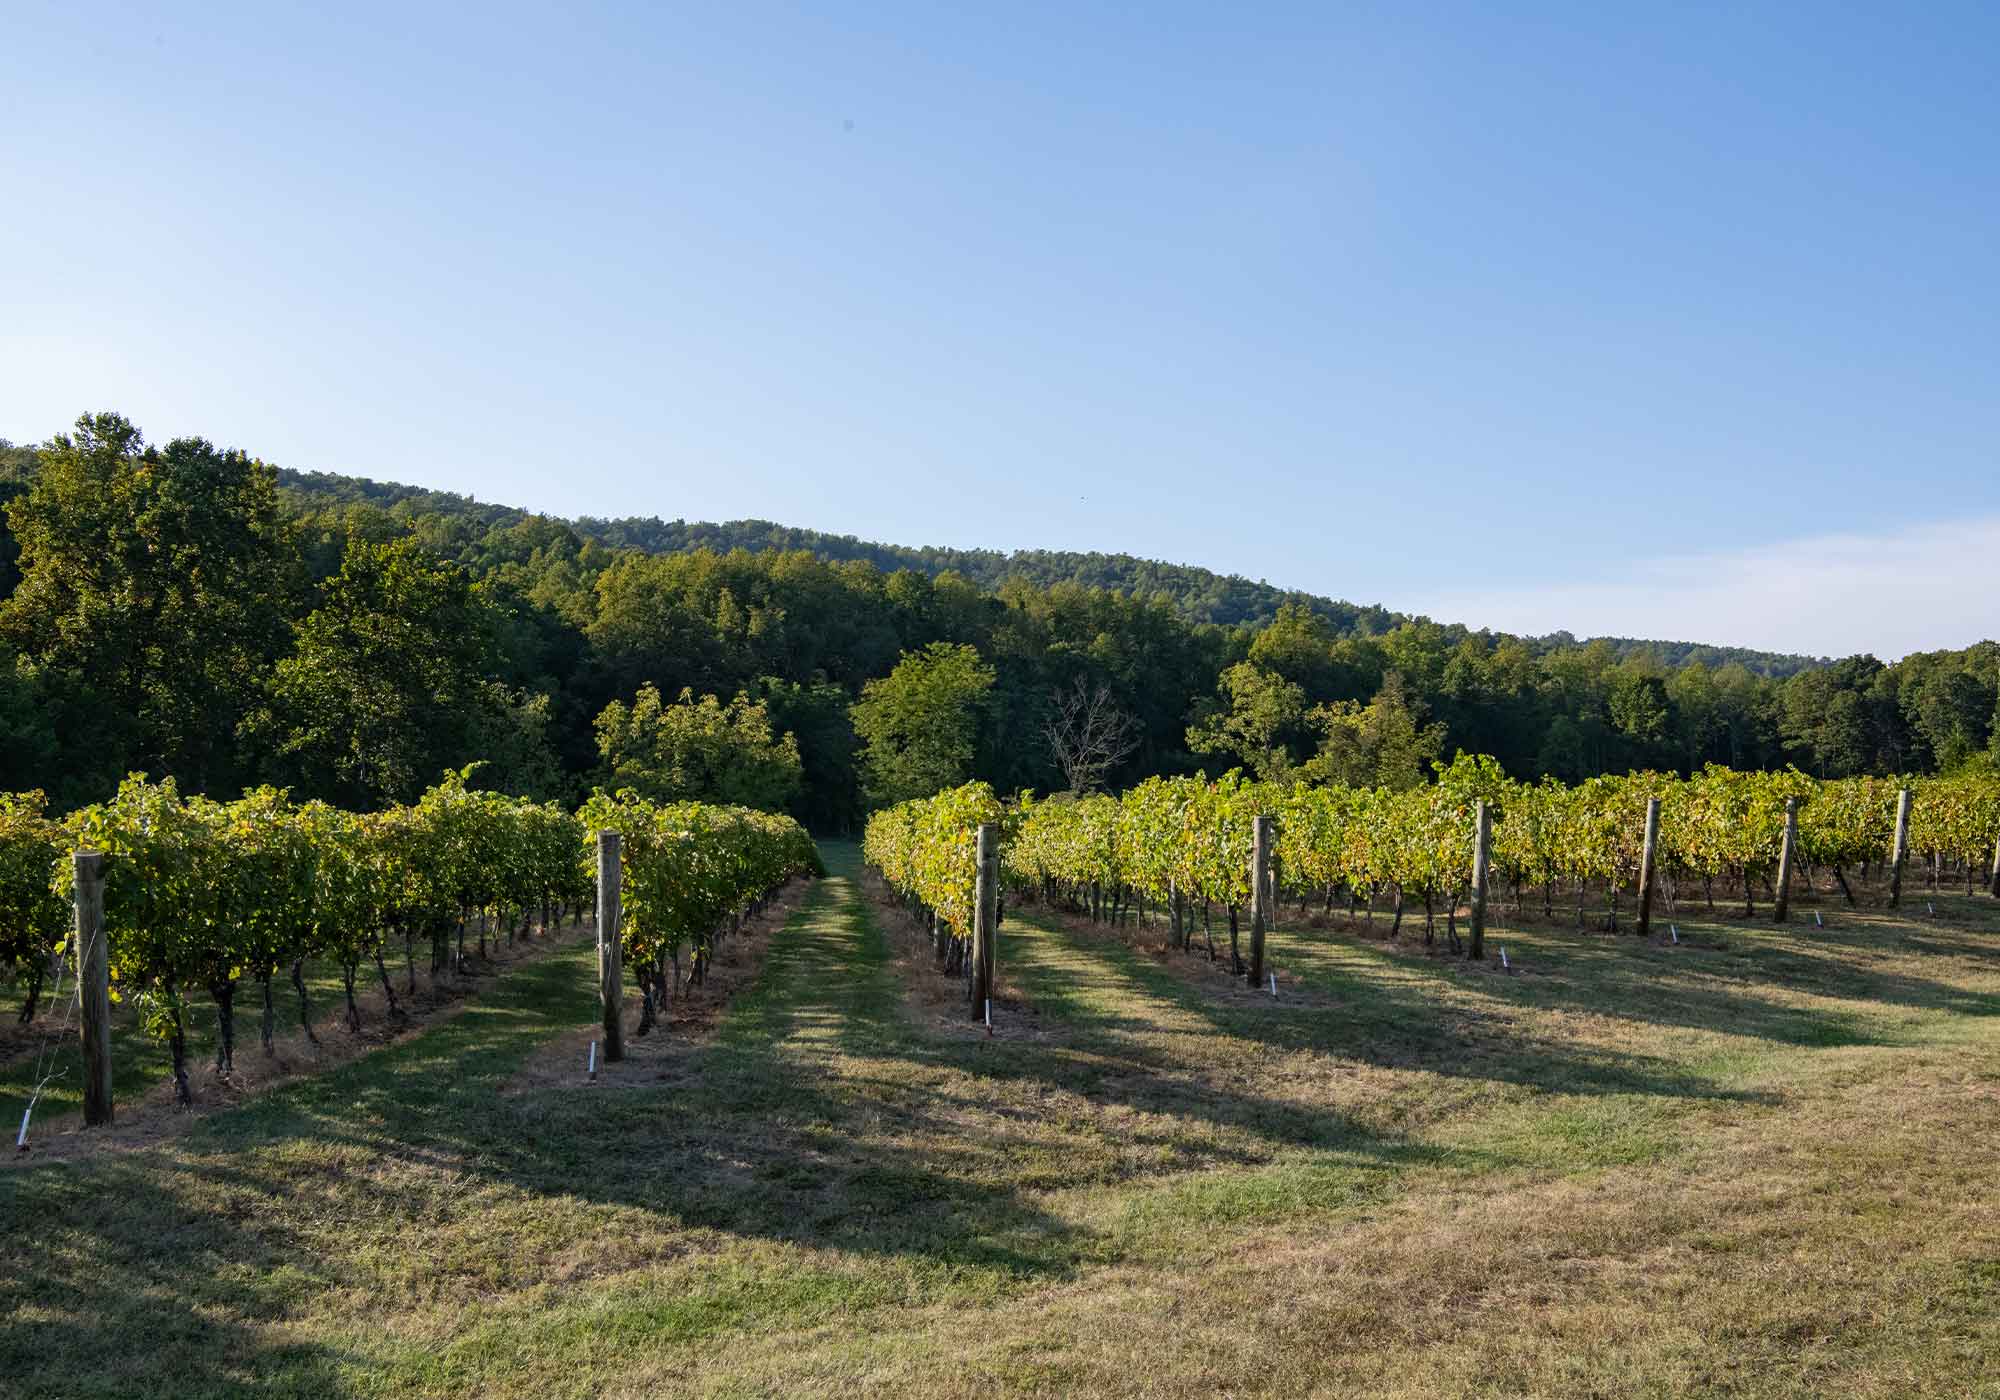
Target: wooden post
{"points": [[1993, 882], [1785, 849], [610, 921], [995, 912], [1482, 841], [985, 915], [1260, 895], [1648, 859], [1900, 853], [93, 984]]}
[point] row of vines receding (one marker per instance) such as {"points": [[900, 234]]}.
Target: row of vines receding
{"points": [[1182, 845], [205, 898]]}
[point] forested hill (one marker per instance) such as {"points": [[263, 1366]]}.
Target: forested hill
{"points": [[1198, 594], [181, 610]]}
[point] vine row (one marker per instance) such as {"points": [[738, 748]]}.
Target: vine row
{"points": [[202, 896], [1178, 843]]}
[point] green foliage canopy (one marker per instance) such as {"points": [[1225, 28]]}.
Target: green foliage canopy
{"points": [[919, 725], [698, 750]]}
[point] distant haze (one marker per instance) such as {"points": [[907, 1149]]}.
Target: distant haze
{"points": [[1920, 588]]}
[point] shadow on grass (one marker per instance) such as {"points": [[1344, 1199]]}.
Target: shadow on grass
{"points": [[818, 1116], [1731, 989], [1386, 996], [1387, 1016], [123, 1280], [921, 1149]]}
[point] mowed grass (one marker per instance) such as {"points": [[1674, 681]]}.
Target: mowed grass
{"points": [[1760, 1163]]}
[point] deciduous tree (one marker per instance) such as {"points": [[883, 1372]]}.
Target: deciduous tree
{"points": [[919, 725], [698, 750], [390, 678], [157, 581]]}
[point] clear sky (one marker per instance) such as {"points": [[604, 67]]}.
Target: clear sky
{"points": [[1647, 319]]}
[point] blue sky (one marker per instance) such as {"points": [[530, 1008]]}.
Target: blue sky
{"points": [[1658, 320]]}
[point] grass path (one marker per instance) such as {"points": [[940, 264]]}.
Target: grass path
{"points": [[1605, 1176]]}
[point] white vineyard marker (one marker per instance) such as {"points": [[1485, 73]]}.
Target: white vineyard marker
{"points": [[1274, 984], [1818, 922], [1505, 966], [590, 1065], [21, 1138], [1675, 930]]}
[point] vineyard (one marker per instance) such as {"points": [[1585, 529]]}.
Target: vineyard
{"points": [[1407, 1174], [201, 898], [1183, 846]]}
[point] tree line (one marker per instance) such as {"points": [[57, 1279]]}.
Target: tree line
{"points": [[1198, 594], [189, 612]]}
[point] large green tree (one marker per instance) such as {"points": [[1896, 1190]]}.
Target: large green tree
{"points": [[1385, 743], [155, 583], [392, 679], [698, 750], [1948, 701], [919, 725], [1258, 719], [1636, 697], [1833, 718]]}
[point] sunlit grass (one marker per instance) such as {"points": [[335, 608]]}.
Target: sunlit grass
{"points": [[1753, 1164]]}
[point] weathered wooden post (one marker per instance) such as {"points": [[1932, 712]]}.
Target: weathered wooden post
{"points": [[985, 916], [1786, 847], [1993, 881], [1900, 853], [1482, 842], [996, 912], [610, 920], [93, 985], [1648, 859], [1260, 895]]}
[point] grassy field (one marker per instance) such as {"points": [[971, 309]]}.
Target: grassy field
{"points": [[1760, 1163]]}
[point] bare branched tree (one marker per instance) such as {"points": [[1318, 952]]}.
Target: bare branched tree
{"points": [[1088, 734]]}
